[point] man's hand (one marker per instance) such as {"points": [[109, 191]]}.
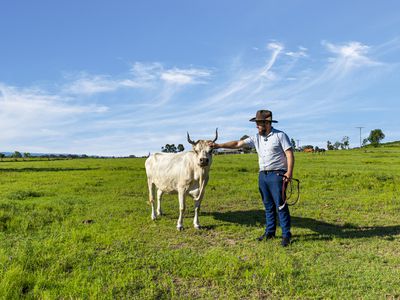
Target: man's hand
{"points": [[287, 177], [213, 145]]}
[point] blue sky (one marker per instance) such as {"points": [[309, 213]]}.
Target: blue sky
{"points": [[127, 77]]}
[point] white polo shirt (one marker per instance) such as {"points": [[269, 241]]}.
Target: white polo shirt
{"points": [[271, 149]]}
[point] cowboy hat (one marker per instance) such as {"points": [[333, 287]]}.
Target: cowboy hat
{"points": [[263, 115]]}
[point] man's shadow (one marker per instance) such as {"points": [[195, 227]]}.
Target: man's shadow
{"points": [[322, 230]]}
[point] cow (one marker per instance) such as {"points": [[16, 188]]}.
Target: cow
{"points": [[185, 173], [308, 150]]}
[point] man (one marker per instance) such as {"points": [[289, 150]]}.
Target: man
{"points": [[276, 161]]}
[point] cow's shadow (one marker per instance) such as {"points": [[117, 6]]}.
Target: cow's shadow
{"points": [[322, 230]]}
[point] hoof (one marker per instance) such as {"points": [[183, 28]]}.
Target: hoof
{"points": [[153, 218], [179, 228], [197, 226], [159, 214]]}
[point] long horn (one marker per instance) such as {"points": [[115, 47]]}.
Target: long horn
{"points": [[216, 135], [189, 140]]}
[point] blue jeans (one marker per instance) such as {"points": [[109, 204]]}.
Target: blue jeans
{"points": [[270, 185]]}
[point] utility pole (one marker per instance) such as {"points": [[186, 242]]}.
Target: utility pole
{"points": [[360, 134], [298, 144]]}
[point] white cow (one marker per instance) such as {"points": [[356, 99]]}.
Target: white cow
{"points": [[185, 173]]}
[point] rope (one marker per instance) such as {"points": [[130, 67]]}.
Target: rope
{"points": [[285, 185]]}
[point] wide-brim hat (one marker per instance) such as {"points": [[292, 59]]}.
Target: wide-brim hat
{"points": [[263, 115]]}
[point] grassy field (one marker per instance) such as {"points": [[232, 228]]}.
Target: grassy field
{"points": [[81, 229]]}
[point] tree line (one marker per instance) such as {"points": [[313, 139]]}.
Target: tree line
{"points": [[26, 155], [374, 139], [16, 155]]}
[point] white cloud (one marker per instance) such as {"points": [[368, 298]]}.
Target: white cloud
{"points": [[352, 50], [86, 84], [275, 46], [29, 101], [146, 73], [350, 55], [302, 52], [276, 49], [153, 72], [185, 76], [143, 76], [32, 113]]}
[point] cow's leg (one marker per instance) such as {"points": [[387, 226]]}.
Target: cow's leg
{"points": [[151, 198], [196, 214], [159, 195], [197, 203], [181, 196]]}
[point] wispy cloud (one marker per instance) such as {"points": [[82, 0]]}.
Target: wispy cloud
{"points": [[301, 52], [276, 49], [31, 117], [185, 76], [144, 76], [350, 55], [146, 72], [28, 102], [89, 85]]}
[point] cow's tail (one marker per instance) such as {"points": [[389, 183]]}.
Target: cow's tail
{"points": [[151, 190], [150, 183]]}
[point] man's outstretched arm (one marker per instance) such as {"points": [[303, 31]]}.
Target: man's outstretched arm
{"points": [[229, 145]]}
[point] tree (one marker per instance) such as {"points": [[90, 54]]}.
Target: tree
{"points": [[337, 145], [173, 148], [329, 146], [27, 154], [293, 143], [375, 137], [345, 142], [16, 155], [364, 142], [180, 148], [165, 148], [169, 148], [246, 148], [2, 155]]}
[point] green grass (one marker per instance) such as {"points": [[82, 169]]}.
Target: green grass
{"points": [[82, 229]]}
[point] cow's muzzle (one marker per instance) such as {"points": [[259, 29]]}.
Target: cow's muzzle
{"points": [[204, 162]]}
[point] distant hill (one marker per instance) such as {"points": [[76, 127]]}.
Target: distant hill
{"points": [[9, 154], [394, 144], [391, 144], [32, 154], [6, 153]]}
